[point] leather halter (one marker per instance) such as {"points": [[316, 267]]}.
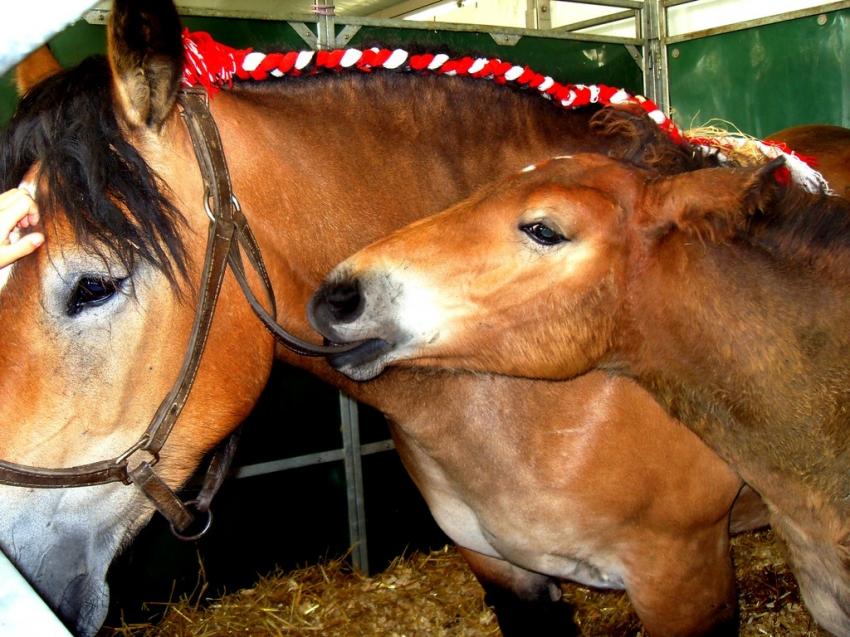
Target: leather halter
{"points": [[228, 233]]}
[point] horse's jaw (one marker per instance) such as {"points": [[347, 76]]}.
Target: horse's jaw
{"points": [[63, 541]]}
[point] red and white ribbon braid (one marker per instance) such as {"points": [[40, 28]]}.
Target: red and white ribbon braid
{"points": [[213, 65], [798, 168]]}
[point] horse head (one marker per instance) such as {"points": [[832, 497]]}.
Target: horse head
{"points": [[529, 276], [95, 325]]}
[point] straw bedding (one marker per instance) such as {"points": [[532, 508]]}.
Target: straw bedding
{"points": [[435, 595]]}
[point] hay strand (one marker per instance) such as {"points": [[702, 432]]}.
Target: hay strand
{"points": [[736, 146]]}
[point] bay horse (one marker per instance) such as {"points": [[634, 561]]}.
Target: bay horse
{"points": [[537, 481], [721, 291]]}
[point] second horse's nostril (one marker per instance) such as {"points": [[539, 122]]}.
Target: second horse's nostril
{"points": [[344, 300]]}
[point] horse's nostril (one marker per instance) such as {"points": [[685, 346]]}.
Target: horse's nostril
{"points": [[344, 300]]}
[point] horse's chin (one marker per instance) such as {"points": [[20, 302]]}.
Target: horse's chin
{"points": [[86, 613], [78, 596], [63, 541], [364, 362]]}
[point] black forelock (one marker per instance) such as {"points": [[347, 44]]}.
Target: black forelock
{"points": [[89, 172]]}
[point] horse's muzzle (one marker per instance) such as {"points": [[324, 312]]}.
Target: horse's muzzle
{"points": [[368, 352]]}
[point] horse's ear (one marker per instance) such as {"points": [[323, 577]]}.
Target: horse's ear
{"points": [[145, 51], [37, 66], [712, 202]]}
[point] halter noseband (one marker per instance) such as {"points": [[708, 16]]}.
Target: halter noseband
{"points": [[228, 234]]}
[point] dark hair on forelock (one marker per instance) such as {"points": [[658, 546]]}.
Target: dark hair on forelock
{"points": [[114, 201]]}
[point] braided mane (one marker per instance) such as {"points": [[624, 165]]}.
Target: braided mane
{"points": [[212, 65]]}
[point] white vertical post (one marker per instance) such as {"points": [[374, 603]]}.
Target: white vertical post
{"points": [[350, 421], [538, 15], [654, 30], [22, 612], [326, 27]]}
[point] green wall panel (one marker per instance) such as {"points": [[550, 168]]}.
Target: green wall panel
{"points": [[241, 34], [7, 98], [564, 60], [766, 78]]}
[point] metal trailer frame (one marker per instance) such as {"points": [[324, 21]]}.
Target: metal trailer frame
{"points": [[319, 31]]}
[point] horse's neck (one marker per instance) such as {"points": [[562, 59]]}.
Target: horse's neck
{"points": [[373, 153], [325, 166], [761, 349], [807, 231]]}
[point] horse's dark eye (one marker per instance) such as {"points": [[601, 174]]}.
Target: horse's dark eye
{"points": [[542, 234], [91, 291]]}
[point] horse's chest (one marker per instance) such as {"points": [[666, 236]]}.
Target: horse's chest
{"points": [[562, 552], [516, 519]]}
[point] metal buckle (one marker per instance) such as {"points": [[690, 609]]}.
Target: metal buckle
{"points": [[124, 458], [207, 207]]}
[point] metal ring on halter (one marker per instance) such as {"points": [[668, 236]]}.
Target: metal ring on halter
{"points": [[199, 534], [209, 211], [207, 208]]}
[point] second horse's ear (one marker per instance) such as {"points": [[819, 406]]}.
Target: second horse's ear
{"points": [[37, 66], [145, 51], [711, 203]]}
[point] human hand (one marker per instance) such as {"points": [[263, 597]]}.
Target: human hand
{"points": [[17, 212]]}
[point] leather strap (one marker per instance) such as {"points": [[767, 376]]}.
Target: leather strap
{"points": [[80, 476], [166, 502], [217, 471]]}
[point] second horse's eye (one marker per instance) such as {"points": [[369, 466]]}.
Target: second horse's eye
{"points": [[91, 291], [542, 233]]}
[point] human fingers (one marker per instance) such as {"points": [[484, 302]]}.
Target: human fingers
{"points": [[11, 252], [32, 217], [16, 208]]}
